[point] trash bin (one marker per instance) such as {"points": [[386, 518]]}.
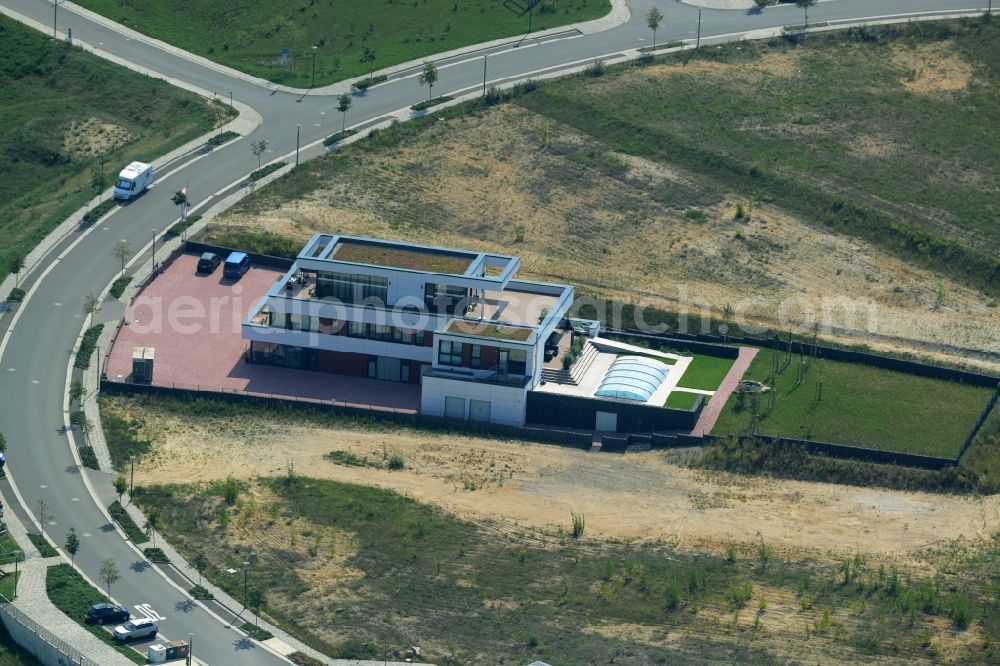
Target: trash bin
{"points": [[177, 649], [157, 654]]}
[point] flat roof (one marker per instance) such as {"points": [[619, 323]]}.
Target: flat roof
{"points": [[397, 255], [488, 329]]}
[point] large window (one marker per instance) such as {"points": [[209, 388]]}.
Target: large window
{"points": [[440, 298], [351, 288], [450, 353], [477, 354]]}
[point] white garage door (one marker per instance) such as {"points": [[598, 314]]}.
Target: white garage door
{"points": [[479, 410], [454, 407], [606, 422]]}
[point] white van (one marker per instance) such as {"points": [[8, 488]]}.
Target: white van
{"points": [[133, 180]]}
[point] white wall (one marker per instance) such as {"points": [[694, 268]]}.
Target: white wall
{"points": [[507, 402]]}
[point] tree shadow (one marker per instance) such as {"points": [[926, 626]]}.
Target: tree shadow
{"points": [[243, 644], [139, 566], [184, 606]]}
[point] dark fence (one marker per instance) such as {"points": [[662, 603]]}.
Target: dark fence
{"points": [[570, 411], [679, 344], [281, 263], [716, 345], [985, 414], [850, 452], [535, 433]]}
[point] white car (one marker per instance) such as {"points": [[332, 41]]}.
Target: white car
{"points": [[142, 627]]}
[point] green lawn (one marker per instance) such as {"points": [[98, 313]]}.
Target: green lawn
{"points": [[504, 598], [864, 406], [250, 35], [682, 400], [840, 131], [61, 108], [71, 594], [706, 372]]}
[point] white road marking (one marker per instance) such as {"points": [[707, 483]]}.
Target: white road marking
{"points": [[43, 486], [58, 305], [86, 534], [35, 381], [74, 499], [11, 369], [148, 611]]}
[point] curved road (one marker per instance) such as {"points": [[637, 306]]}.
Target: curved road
{"points": [[35, 358]]}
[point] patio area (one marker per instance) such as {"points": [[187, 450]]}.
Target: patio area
{"points": [[193, 322]]}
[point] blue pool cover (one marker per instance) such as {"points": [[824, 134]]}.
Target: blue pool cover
{"points": [[633, 378]]}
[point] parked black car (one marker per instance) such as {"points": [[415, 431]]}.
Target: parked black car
{"points": [[103, 613], [208, 262]]}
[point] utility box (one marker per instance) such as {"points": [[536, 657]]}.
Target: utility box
{"points": [[142, 364], [177, 649], [157, 654]]}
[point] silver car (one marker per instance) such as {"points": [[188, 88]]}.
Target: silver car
{"points": [[142, 627]]}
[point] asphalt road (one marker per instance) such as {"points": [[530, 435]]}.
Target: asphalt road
{"points": [[35, 360]]}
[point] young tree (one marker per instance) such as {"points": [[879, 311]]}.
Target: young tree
{"points": [[255, 599], [122, 252], [369, 57], [91, 306], [653, 18], [72, 545], [259, 148], [110, 574], [428, 77], [152, 524], [200, 563], [76, 392], [121, 486], [16, 266], [343, 104], [804, 5], [727, 318]]}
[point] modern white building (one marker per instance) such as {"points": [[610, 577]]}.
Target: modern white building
{"points": [[455, 322]]}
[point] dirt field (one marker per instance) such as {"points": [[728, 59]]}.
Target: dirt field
{"points": [[511, 485], [675, 243]]}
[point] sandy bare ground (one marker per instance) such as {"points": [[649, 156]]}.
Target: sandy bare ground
{"points": [[448, 185], [516, 486]]}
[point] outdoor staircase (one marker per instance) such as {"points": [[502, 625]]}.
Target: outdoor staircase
{"points": [[574, 375]]}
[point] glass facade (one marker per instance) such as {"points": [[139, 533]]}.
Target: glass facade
{"points": [[351, 288], [450, 353], [441, 298]]}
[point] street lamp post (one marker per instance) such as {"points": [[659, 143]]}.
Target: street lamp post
{"points": [[17, 558], [55, 15], [484, 76], [697, 43], [190, 659], [131, 481], [313, 84], [298, 133]]}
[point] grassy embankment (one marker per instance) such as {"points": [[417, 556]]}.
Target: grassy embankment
{"points": [[64, 108], [346, 567], [857, 135], [250, 37]]}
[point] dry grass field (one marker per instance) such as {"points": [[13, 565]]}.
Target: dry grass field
{"points": [[509, 179]]}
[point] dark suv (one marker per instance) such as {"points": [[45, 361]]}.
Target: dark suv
{"points": [[104, 612], [208, 262]]}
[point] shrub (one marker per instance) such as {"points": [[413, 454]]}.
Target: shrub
{"points": [[364, 84], [596, 69], [339, 136], [88, 457], [221, 138], [16, 295], [199, 592], [230, 490], [155, 555], [39, 541], [258, 633], [99, 211], [87, 346], [961, 614], [396, 461], [578, 525], [179, 228], [428, 103], [265, 171], [118, 286], [128, 525]]}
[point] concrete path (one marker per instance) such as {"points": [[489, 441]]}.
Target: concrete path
{"points": [[710, 414]]}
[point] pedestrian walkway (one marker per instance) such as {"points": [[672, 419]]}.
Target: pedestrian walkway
{"points": [[710, 414], [41, 614]]}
